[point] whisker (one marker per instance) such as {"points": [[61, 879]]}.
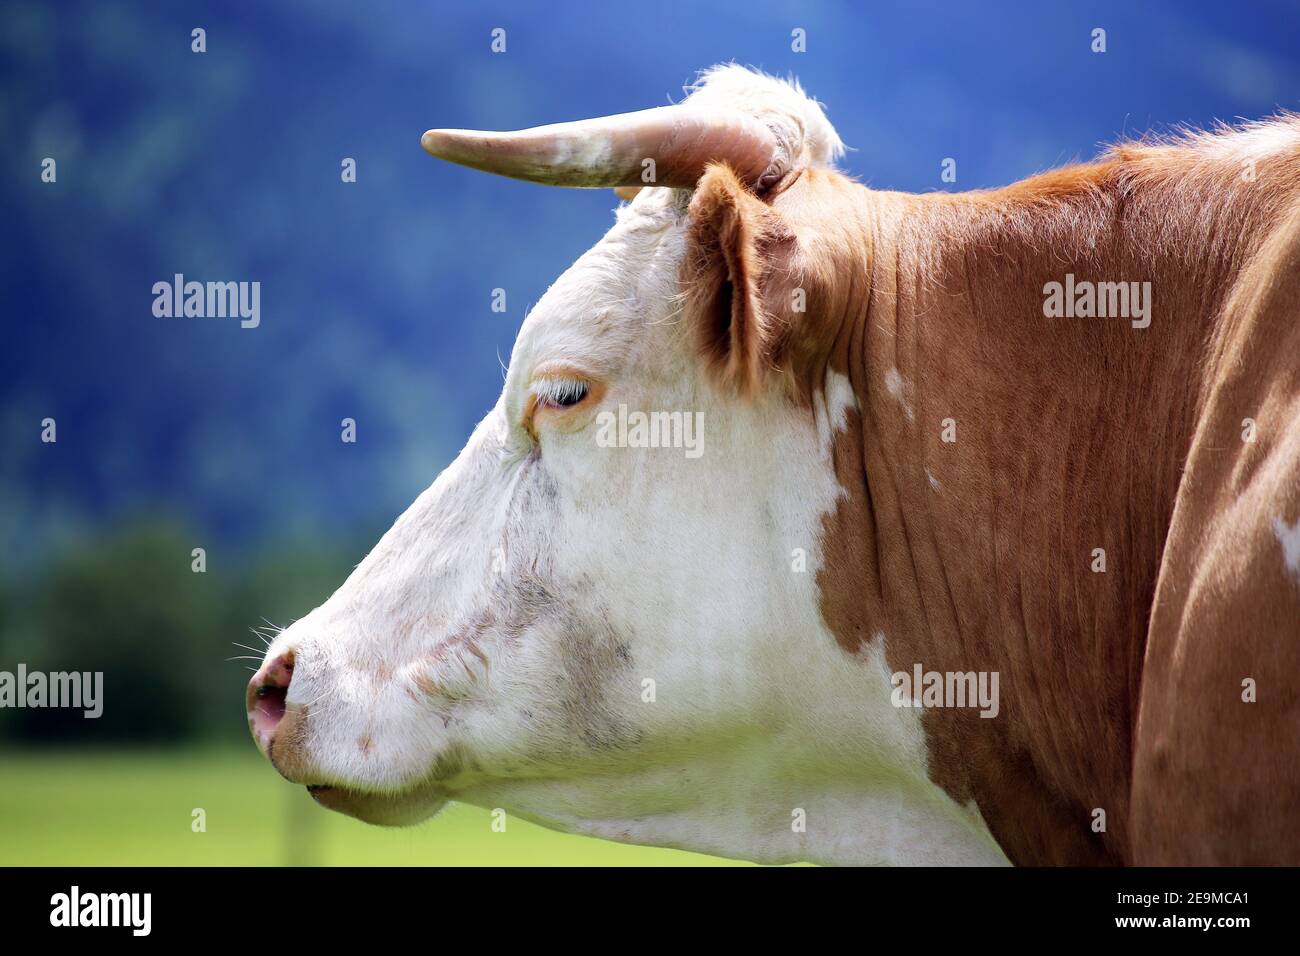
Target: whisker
{"points": [[266, 632], [320, 697]]}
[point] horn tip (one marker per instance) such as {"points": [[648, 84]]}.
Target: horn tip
{"points": [[431, 140]]}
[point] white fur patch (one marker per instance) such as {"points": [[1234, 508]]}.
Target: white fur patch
{"points": [[798, 120], [897, 388], [1289, 537]]}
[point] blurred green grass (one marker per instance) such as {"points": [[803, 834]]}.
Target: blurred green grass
{"points": [[134, 808]]}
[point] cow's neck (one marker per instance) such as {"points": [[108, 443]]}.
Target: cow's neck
{"points": [[1005, 458]]}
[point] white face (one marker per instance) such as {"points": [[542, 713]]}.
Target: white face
{"points": [[623, 641], [616, 639]]}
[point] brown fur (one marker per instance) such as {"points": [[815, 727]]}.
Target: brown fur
{"points": [[1072, 434], [287, 750]]}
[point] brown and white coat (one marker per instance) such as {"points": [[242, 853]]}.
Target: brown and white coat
{"points": [[908, 465]]}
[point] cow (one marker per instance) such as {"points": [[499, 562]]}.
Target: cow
{"points": [[985, 548]]}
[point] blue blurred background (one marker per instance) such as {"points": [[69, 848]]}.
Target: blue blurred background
{"points": [[178, 433]]}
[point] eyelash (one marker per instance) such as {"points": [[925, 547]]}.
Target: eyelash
{"points": [[560, 392]]}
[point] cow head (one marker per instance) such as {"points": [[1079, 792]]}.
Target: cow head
{"points": [[604, 615]]}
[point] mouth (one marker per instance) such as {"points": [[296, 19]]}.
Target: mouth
{"points": [[381, 809]]}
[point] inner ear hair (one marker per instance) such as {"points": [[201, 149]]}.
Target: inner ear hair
{"points": [[739, 258]]}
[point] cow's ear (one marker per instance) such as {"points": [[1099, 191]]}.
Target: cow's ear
{"points": [[738, 280]]}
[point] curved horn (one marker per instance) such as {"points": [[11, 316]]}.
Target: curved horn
{"points": [[611, 150]]}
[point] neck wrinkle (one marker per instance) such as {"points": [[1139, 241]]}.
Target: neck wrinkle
{"points": [[1070, 437]]}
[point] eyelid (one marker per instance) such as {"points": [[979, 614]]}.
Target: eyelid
{"points": [[557, 389], [560, 375]]}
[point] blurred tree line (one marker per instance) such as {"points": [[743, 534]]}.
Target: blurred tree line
{"points": [[128, 603]]}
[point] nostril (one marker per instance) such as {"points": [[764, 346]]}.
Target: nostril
{"points": [[268, 692], [270, 702]]}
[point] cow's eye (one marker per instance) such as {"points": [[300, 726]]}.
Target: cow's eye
{"points": [[562, 395], [560, 392]]}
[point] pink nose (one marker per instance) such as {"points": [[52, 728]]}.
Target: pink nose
{"points": [[266, 696]]}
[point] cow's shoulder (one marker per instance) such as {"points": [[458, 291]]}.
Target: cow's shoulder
{"points": [[1224, 645]]}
